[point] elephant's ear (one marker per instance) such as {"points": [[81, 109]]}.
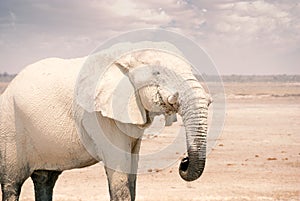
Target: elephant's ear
{"points": [[116, 97]]}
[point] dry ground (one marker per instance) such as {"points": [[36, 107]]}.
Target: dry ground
{"points": [[257, 156]]}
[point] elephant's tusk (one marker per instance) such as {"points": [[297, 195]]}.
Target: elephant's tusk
{"points": [[173, 98]]}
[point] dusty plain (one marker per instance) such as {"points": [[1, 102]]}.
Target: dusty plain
{"points": [[256, 157]]}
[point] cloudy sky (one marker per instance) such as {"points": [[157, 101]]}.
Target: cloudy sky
{"points": [[242, 37]]}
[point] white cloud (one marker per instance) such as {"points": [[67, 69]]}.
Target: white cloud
{"points": [[252, 36], [249, 21], [227, 28]]}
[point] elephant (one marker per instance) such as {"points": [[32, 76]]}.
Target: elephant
{"points": [[46, 111]]}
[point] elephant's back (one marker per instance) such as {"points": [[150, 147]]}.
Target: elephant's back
{"points": [[44, 81], [47, 74]]}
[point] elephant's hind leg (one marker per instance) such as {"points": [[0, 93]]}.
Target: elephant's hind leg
{"points": [[11, 192], [44, 182], [11, 184]]}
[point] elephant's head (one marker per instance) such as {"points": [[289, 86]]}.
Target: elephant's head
{"points": [[148, 82]]}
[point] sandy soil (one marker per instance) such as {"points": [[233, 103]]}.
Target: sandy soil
{"points": [[257, 156]]}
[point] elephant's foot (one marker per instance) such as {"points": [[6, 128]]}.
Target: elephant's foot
{"points": [[132, 185], [44, 182]]}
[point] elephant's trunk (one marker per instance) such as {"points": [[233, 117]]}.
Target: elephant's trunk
{"points": [[194, 110]]}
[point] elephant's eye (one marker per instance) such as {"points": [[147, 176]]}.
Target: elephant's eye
{"points": [[156, 73]]}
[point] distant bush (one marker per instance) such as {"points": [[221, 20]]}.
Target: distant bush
{"points": [[251, 78], [5, 77]]}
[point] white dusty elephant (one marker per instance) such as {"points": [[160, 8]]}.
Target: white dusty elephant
{"points": [[43, 128]]}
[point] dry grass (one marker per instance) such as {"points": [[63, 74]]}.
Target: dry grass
{"points": [[257, 157]]}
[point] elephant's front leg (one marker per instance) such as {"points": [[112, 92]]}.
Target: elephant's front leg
{"points": [[121, 173], [118, 185], [134, 166]]}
